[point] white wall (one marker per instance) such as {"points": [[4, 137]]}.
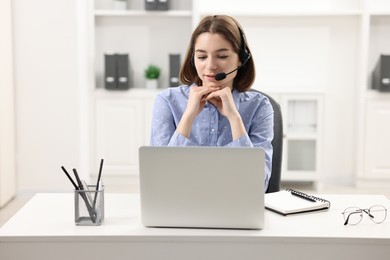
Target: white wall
{"points": [[7, 109], [47, 93]]}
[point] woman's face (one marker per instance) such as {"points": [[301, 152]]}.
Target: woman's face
{"points": [[213, 54]]}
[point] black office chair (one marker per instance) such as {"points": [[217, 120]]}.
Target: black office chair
{"points": [[277, 143]]}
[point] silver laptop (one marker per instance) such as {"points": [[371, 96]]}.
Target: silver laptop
{"points": [[202, 187]]}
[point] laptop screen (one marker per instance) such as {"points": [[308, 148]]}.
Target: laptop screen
{"points": [[209, 187]]}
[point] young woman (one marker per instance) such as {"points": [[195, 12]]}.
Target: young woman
{"points": [[214, 106]]}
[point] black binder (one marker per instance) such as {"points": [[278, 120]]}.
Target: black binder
{"points": [[153, 5], [122, 61], [110, 71], [174, 70], [116, 68], [163, 4], [381, 74]]}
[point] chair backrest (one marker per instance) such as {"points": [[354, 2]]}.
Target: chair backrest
{"points": [[277, 144]]}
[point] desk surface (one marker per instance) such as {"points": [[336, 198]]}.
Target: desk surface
{"points": [[50, 218]]}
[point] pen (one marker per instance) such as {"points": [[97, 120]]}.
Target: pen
{"points": [[98, 183], [70, 178], [303, 197], [100, 174], [91, 211], [81, 187]]}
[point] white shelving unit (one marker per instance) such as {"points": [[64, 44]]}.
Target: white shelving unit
{"points": [[147, 36], [122, 125], [121, 119], [312, 55], [303, 135], [374, 107]]}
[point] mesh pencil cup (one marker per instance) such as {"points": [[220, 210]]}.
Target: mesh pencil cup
{"points": [[89, 206]]}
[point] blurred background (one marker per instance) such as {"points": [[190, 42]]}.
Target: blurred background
{"points": [[73, 87]]}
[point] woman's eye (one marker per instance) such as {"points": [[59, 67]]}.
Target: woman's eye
{"points": [[202, 57], [223, 57]]}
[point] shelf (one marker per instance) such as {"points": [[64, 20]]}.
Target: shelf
{"points": [[132, 93], [380, 13], [138, 13], [304, 136], [258, 14], [372, 94], [281, 8], [300, 176]]}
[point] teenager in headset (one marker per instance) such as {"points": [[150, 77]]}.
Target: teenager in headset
{"points": [[214, 107]]}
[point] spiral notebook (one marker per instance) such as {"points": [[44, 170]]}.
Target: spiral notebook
{"points": [[290, 201]]}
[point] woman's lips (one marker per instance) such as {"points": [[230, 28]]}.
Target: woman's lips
{"points": [[210, 77]]}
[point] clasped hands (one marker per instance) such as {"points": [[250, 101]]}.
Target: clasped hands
{"points": [[220, 96]]}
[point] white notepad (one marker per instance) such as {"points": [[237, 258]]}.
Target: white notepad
{"points": [[290, 201]]}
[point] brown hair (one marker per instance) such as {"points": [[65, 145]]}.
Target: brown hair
{"points": [[231, 30]]}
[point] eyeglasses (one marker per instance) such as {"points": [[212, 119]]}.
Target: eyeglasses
{"points": [[354, 215]]}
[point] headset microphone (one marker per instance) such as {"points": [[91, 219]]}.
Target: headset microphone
{"points": [[222, 75]]}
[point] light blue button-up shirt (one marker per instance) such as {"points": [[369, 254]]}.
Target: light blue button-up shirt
{"points": [[210, 128]]}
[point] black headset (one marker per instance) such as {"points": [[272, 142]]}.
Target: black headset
{"points": [[243, 54]]}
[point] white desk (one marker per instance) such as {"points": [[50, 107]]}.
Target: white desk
{"points": [[44, 229]]}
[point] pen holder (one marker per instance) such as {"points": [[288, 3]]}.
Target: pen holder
{"points": [[89, 206]]}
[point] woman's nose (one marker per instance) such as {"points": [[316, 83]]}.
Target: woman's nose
{"points": [[212, 64]]}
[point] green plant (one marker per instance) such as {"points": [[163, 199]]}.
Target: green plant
{"points": [[152, 72]]}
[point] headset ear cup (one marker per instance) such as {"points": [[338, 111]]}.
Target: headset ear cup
{"points": [[244, 53], [244, 56]]}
